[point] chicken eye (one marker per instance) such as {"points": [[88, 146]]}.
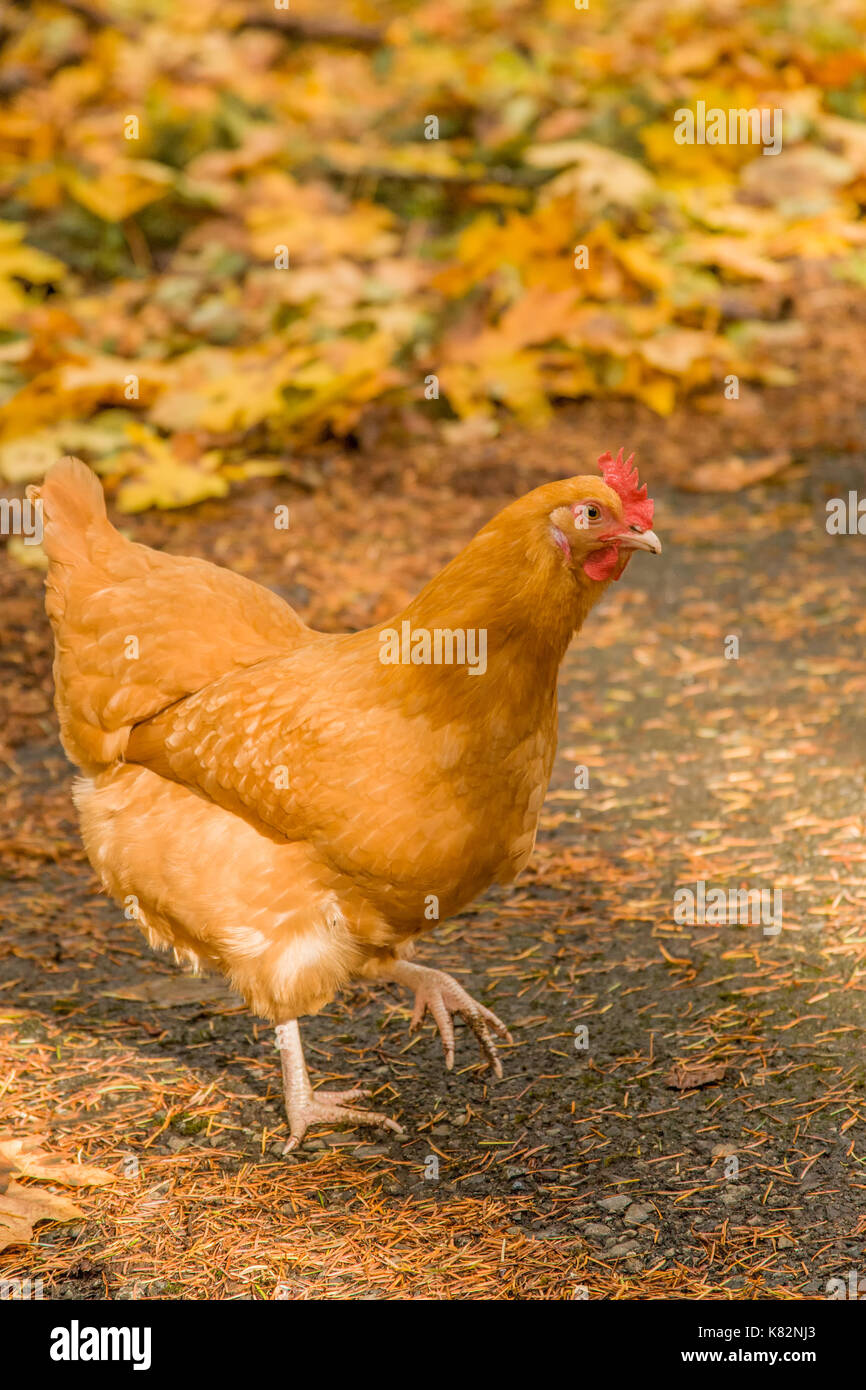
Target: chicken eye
{"points": [[593, 512]]}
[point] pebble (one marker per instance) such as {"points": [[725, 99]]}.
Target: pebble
{"points": [[638, 1213], [733, 1195], [614, 1204], [596, 1228], [625, 1247]]}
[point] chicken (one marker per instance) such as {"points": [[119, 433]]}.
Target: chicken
{"points": [[293, 808]]}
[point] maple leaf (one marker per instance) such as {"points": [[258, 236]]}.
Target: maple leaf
{"points": [[22, 1206]]}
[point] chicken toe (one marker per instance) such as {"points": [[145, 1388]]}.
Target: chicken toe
{"points": [[443, 996], [304, 1106]]}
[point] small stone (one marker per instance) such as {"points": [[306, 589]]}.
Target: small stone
{"points": [[733, 1195], [614, 1204], [625, 1247], [638, 1213], [786, 1243], [596, 1228]]}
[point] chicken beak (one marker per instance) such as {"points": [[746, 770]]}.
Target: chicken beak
{"points": [[640, 540]]}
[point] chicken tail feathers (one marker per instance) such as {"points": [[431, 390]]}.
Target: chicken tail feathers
{"points": [[73, 510], [136, 629]]}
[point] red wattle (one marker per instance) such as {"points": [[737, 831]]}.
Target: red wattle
{"points": [[603, 564]]}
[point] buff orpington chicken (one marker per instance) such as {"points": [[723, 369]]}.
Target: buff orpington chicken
{"points": [[293, 808]]}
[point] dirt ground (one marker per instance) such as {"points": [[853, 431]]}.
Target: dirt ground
{"points": [[605, 1167]]}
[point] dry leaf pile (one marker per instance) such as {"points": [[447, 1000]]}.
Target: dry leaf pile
{"points": [[225, 233]]}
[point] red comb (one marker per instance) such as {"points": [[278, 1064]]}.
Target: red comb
{"points": [[619, 474]]}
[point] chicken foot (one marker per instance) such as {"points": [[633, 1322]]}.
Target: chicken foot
{"points": [[443, 996], [304, 1106]]}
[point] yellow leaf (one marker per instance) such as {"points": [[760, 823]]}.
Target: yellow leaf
{"points": [[643, 264], [120, 190], [17, 258], [679, 349], [166, 482], [222, 390], [595, 175], [659, 393], [24, 553], [740, 255]]}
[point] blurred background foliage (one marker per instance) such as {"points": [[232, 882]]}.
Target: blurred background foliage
{"points": [[159, 161]]}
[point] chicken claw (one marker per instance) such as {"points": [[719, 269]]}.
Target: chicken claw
{"points": [[443, 996], [304, 1106]]}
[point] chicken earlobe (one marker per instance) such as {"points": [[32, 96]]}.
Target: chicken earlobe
{"points": [[304, 1106]]}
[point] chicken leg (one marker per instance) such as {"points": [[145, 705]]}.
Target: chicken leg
{"points": [[304, 1106], [443, 996]]}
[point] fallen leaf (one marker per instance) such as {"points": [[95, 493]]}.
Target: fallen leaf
{"points": [[22, 1207], [31, 1161], [690, 1076], [173, 991], [732, 474]]}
